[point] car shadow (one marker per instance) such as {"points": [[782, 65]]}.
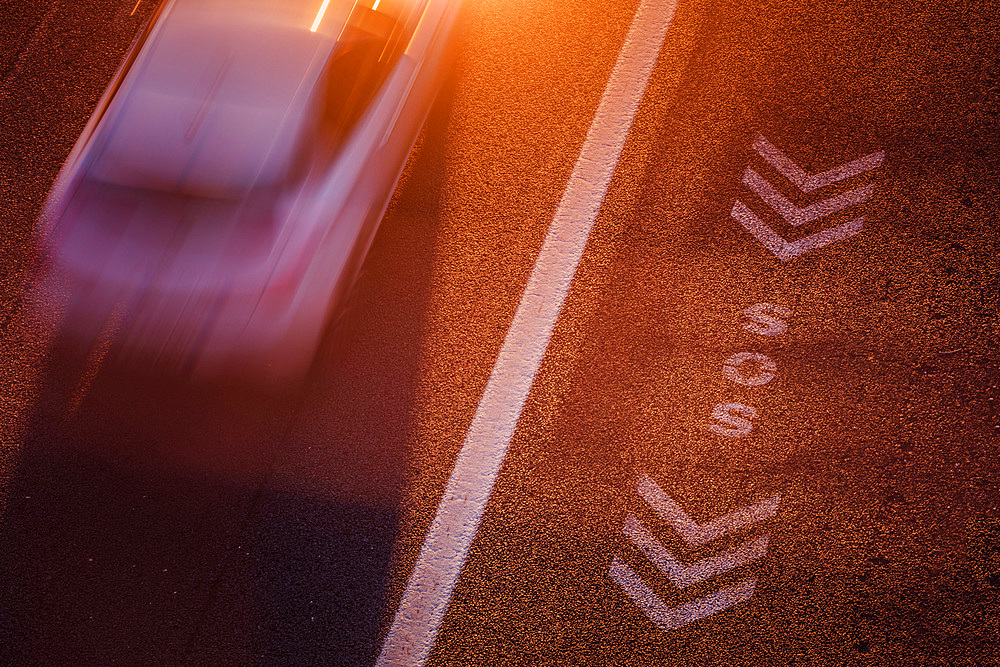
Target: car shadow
{"points": [[159, 521]]}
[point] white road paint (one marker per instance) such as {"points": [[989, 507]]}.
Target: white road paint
{"points": [[415, 626], [734, 420], [319, 16], [781, 248], [731, 369], [670, 618], [785, 250], [806, 182], [796, 216], [693, 533], [682, 575], [767, 319]]}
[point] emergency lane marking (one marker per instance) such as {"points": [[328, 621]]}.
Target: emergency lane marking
{"points": [[670, 618], [681, 575], [801, 178], [695, 534], [796, 216], [785, 250], [415, 625]]}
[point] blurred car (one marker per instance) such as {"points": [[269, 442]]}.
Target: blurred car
{"points": [[228, 186]]}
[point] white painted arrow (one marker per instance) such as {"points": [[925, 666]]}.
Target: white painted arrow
{"points": [[806, 182], [670, 618], [799, 216], [693, 533], [794, 215], [683, 576], [783, 249]]}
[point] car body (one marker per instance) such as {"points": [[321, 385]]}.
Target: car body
{"points": [[231, 180]]}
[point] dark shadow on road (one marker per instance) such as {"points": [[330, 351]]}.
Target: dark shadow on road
{"points": [[159, 524]]}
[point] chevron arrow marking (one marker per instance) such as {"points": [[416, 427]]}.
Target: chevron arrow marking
{"points": [[695, 534], [683, 576], [806, 182], [781, 248], [799, 216], [671, 618]]}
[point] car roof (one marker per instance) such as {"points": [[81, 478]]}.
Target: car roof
{"points": [[216, 103]]}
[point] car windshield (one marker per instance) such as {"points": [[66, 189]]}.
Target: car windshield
{"points": [[323, 16], [232, 96], [368, 47]]}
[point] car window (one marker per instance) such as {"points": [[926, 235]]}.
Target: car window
{"points": [[215, 105], [324, 16], [367, 49]]}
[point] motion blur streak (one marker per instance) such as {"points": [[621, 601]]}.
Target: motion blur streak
{"points": [[232, 179], [319, 16], [418, 618]]}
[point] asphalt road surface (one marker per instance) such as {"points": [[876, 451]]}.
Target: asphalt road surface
{"points": [[763, 430]]}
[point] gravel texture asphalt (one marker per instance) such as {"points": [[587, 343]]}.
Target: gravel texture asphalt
{"points": [[148, 520]]}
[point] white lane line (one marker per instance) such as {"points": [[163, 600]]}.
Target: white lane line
{"points": [[414, 629]]}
